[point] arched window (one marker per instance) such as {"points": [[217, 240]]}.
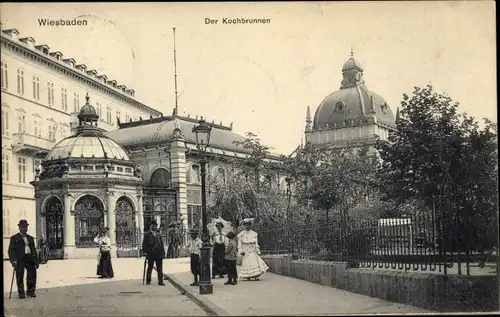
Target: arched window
{"points": [[54, 223], [125, 223], [160, 178], [89, 218]]}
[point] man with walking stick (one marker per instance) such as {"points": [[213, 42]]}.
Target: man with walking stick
{"points": [[23, 256], [152, 246]]}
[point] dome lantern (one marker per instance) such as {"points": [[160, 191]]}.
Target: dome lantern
{"points": [[87, 116], [352, 73]]}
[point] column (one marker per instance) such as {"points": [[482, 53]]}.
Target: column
{"points": [[178, 171], [140, 216], [40, 228], [111, 217], [69, 227]]}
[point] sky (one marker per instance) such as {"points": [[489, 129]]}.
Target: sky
{"points": [[262, 77]]}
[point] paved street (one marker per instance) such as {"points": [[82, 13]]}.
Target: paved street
{"points": [[281, 295], [70, 288]]}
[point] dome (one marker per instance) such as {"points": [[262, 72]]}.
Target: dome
{"points": [[88, 142], [88, 112], [87, 146], [353, 103], [352, 63]]}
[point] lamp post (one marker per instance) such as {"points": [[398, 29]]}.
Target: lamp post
{"points": [[202, 131]]}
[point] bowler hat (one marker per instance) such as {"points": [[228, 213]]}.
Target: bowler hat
{"points": [[23, 222], [219, 224]]}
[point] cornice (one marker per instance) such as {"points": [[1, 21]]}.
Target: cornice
{"points": [[72, 73], [104, 182]]}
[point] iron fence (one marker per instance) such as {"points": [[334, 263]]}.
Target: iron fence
{"points": [[424, 242]]}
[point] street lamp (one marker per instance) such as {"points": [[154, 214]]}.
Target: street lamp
{"points": [[202, 131]]}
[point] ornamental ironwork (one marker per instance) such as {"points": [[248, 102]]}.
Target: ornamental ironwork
{"points": [[54, 223], [126, 233], [89, 219]]}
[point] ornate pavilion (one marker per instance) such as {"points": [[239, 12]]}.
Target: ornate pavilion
{"points": [[124, 178]]}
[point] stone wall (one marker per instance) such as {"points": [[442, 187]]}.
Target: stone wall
{"points": [[443, 293]]}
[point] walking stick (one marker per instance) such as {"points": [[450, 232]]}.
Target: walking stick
{"points": [[144, 271], [12, 282]]}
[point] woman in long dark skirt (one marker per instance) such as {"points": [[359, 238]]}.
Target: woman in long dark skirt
{"points": [[104, 267], [219, 241]]}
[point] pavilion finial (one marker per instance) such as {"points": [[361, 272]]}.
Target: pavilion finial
{"points": [[352, 51], [87, 98]]}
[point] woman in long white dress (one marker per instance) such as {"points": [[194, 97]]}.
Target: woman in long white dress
{"points": [[252, 265]]}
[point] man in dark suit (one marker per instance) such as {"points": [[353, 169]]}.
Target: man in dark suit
{"points": [[152, 246], [23, 256]]}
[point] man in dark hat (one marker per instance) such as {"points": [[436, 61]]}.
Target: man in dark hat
{"points": [[152, 246], [174, 239], [23, 256]]}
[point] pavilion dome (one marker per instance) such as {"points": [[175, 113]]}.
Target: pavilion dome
{"points": [[88, 142], [353, 103]]}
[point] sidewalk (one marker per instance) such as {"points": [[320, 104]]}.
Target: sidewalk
{"points": [[71, 288], [281, 295]]}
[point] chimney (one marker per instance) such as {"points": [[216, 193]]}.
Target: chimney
{"points": [[28, 41], [43, 48], [12, 33], [57, 55]]}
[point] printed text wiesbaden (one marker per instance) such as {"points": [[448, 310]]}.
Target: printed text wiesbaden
{"points": [[62, 22]]}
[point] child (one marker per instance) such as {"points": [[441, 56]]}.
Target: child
{"points": [[231, 256], [194, 250]]}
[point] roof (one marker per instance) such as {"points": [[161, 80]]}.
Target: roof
{"points": [[161, 131], [354, 103], [87, 146]]}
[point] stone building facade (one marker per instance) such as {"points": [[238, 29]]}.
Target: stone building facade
{"points": [[42, 92]]}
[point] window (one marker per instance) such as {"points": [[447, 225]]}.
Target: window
{"points": [[5, 123], [52, 132], [21, 168], [63, 132], [76, 102], [36, 88], [37, 127], [36, 162], [127, 117], [5, 166], [118, 116], [99, 110], [50, 93], [64, 99], [4, 77], [108, 115], [20, 82], [21, 123]]}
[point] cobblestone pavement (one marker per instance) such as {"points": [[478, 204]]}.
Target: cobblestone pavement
{"points": [[70, 288], [281, 295]]}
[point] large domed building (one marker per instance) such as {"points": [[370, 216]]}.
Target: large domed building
{"points": [[352, 115]]}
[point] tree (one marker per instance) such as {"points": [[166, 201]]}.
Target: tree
{"points": [[441, 158]]}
